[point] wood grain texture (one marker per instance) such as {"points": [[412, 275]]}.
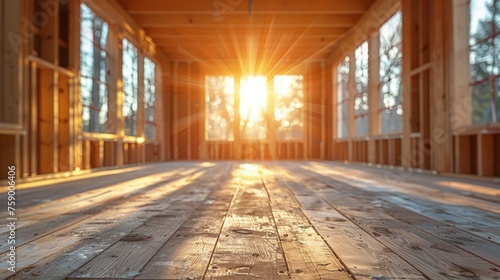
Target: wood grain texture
{"points": [[434, 257], [307, 255], [248, 245], [364, 256], [231, 220], [74, 244], [187, 253]]}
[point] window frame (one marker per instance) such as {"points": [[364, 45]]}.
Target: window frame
{"points": [[343, 97], [136, 90], [362, 113], [207, 114], [109, 116], [381, 83], [155, 108], [492, 78], [302, 113]]}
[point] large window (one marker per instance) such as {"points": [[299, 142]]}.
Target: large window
{"points": [[361, 99], [94, 71], [484, 59], [253, 107], [391, 108], [254, 117], [149, 98], [219, 108], [289, 104], [130, 88], [343, 98]]}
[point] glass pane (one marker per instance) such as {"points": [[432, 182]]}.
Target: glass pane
{"points": [[94, 71], [149, 98], [480, 20], [390, 75], [289, 103], [481, 102], [361, 100], [497, 98], [343, 98], [220, 108], [130, 88], [253, 107], [484, 59]]}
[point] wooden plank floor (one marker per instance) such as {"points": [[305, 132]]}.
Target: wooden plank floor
{"points": [[255, 220]]}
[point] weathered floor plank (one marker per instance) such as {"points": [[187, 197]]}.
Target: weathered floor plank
{"points": [[364, 255], [246, 220], [249, 244], [307, 254], [126, 258], [187, 253], [434, 257], [74, 245]]}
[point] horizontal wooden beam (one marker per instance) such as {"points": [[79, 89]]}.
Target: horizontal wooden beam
{"points": [[264, 42], [245, 52], [209, 6], [191, 20], [159, 32]]}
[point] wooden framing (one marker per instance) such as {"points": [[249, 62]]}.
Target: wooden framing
{"points": [[47, 133], [373, 95]]}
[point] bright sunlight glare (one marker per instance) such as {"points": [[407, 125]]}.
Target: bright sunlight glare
{"points": [[253, 98]]}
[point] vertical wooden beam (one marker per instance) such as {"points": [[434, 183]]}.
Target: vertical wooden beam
{"points": [[47, 160], [196, 104], [189, 101], [334, 114], [271, 124], [85, 154], [161, 114], [74, 98], [182, 132], [316, 111], [406, 84], [329, 109], [463, 157], [55, 120], [24, 93], [34, 119], [237, 119], [373, 95], [461, 109], [307, 108], [202, 115], [323, 110], [64, 149], [166, 95], [141, 119], [351, 101], [440, 135], [175, 104], [109, 153], [118, 94], [486, 156]]}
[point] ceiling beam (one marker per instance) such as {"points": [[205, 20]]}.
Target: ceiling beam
{"points": [[135, 7], [146, 21], [158, 32]]}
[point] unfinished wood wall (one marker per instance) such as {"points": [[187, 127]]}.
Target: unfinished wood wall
{"points": [[41, 124], [438, 133]]}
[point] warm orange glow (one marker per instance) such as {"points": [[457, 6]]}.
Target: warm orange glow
{"points": [[253, 98]]}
